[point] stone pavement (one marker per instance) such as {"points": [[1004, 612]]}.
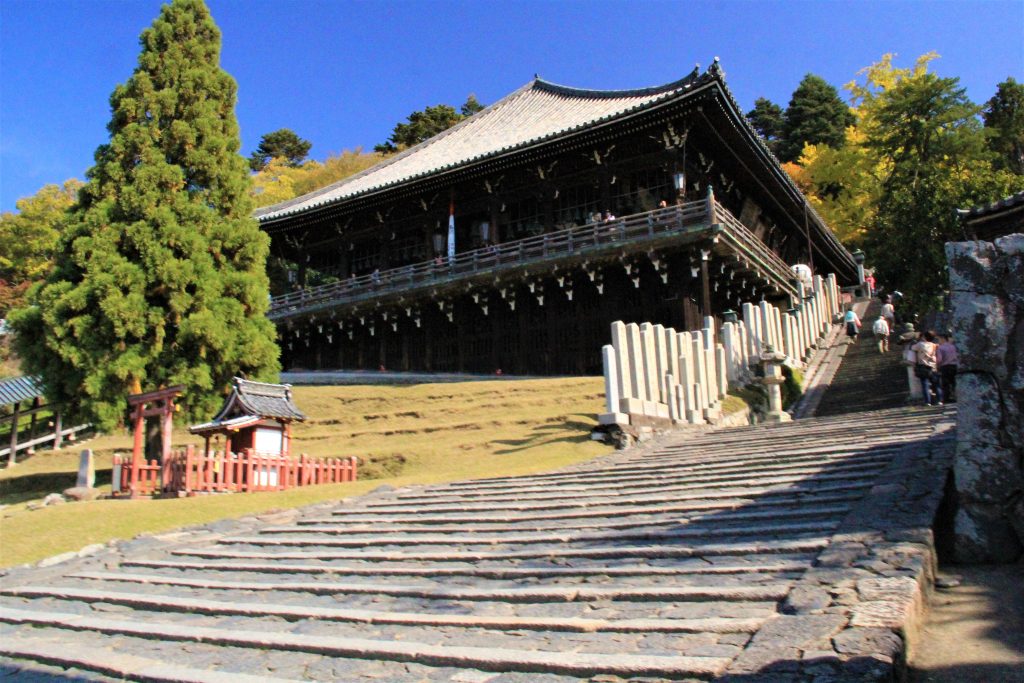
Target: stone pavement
{"points": [[799, 551]]}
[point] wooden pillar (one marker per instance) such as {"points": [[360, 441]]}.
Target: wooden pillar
{"points": [[58, 437], [32, 424], [167, 425], [705, 288], [287, 439], [137, 446], [495, 207], [12, 458]]}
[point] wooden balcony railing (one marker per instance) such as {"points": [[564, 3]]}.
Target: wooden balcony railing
{"points": [[691, 219]]}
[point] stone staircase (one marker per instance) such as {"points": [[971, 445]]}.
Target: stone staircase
{"points": [[867, 379], [788, 552]]}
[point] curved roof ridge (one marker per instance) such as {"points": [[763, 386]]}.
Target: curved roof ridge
{"points": [[571, 91]]}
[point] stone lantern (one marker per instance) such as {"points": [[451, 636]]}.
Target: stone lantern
{"points": [[771, 362]]}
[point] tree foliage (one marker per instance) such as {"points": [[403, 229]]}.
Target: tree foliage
{"points": [[279, 181], [815, 115], [159, 277], [917, 153], [281, 144], [423, 125], [29, 237], [1004, 119]]}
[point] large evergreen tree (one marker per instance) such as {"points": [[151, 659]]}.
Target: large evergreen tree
{"points": [[815, 115], [767, 118], [1004, 119], [283, 143], [423, 125], [160, 276]]}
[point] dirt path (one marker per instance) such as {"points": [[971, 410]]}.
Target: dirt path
{"points": [[975, 631]]}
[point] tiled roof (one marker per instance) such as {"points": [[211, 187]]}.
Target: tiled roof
{"points": [[535, 112], [220, 425], [16, 389], [995, 207], [267, 400]]}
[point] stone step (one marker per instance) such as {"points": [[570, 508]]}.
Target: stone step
{"points": [[122, 666], [659, 505], [649, 469], [700, 491], [660, 517], [296, 612], [531, 594], [798, 545], [501, 573], [643, 532], [628, 482], [488, 659], [732, 497]]}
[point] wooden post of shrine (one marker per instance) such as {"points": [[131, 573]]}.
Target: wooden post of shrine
{"points": [[159, 403]]}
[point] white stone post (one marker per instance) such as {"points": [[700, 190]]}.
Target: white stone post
{"points": [[612, 381], [621, 346], [672, 343], [650, 367], [750, 315], [721, 364], [661, 361], [86, 470], [669, 391], [731, 359], [634, 405]]}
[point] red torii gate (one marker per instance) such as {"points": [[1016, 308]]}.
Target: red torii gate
{"points": [[159, 403]]}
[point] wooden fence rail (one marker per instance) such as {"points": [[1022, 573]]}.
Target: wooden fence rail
{"points": [[188, 472]]}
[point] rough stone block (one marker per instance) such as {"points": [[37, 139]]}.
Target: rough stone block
{"points": [[866, 641], [981, 325], [978, 407], [971, 266], [806, 599], [986, 473], [983, 534]]}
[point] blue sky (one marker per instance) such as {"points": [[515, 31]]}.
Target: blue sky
{"points": [[342, 73]]}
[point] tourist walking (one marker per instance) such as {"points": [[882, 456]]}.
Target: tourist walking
{"points": [[948, 362], [926, 368], [881, 331], [889, 312], [852, 323]]}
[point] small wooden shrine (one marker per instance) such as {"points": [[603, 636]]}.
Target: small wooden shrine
{"points": [[256, 416]]}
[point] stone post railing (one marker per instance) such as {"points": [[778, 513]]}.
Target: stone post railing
{"points": [[657, 376]]}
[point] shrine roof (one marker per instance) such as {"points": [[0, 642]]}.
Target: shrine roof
{"points": [[995, 208], [16, 389], [254, 401], [537, 112]]}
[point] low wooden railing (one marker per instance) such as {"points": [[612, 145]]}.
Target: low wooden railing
{"points": [[189, 472], [580, 240]]}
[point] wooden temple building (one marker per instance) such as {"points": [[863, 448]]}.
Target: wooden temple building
{"points": [[514, 239]]}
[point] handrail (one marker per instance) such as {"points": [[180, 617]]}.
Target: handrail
{"points": [[741, 234], [506, 256]]}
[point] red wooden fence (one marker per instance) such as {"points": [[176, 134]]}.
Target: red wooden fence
{"points": [[188, 473]]}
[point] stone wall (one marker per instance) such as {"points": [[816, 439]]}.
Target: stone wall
{"points": [[987, 299]]}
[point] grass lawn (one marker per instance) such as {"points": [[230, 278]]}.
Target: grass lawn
{"points": [[402, 434]]}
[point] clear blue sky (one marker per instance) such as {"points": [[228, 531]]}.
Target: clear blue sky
{"points": [[342, 73]]}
